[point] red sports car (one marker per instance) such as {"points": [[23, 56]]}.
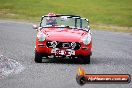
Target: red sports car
{"points": [[63, 36]]}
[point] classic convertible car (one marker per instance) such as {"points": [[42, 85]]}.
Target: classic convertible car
{"points": [[63, 36]]}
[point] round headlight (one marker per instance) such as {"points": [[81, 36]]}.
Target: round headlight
{"points": [[41, 36], [87, 39]]}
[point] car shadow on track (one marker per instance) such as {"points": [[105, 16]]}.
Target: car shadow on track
{"points": [[94, 61], [64, 61]]}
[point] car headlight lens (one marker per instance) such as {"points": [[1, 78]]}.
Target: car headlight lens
{"points": [[41, 36], [87, 39]]}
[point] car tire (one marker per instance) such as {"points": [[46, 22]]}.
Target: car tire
{"points": [[38, 57], [85, 60]]}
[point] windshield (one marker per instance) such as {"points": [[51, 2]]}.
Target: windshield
{"points": [[64, 21]]}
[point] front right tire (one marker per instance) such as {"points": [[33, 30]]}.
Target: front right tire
{"points": [[38, 57]]}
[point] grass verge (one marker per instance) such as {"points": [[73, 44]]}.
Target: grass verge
{"points": [[115, 15]]}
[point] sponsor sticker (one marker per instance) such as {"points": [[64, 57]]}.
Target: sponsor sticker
{"points": [[66, 52], [83, 78]]}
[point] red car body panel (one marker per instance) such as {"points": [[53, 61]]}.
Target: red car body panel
{"points": [[63, 35]]}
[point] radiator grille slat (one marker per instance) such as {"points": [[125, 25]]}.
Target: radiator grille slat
{"points": [[64, 45]]}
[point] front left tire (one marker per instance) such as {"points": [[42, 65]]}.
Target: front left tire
{"points": [[85, 59]]}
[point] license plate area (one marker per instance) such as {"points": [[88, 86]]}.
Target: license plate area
{"points": [[61, 52]]}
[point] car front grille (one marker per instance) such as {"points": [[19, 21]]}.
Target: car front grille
{"points": [[64, 45]]}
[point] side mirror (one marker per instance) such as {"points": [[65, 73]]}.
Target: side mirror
{"points": [[35, 27]]}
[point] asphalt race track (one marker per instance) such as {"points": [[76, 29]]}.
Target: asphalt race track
{"points": [[112, 53]]}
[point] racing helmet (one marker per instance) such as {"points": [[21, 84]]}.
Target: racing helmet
{"points": [[51, 19]]}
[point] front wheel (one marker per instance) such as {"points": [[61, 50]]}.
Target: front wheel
{"points": [[38, 57], [85, 60]]}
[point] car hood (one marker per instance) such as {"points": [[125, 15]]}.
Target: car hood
{"points": [[64, 34]]}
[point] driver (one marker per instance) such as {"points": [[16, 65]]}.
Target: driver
{"points": [[51, 20]]}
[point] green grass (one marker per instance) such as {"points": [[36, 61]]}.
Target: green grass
{"points": [[106, 12]]}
